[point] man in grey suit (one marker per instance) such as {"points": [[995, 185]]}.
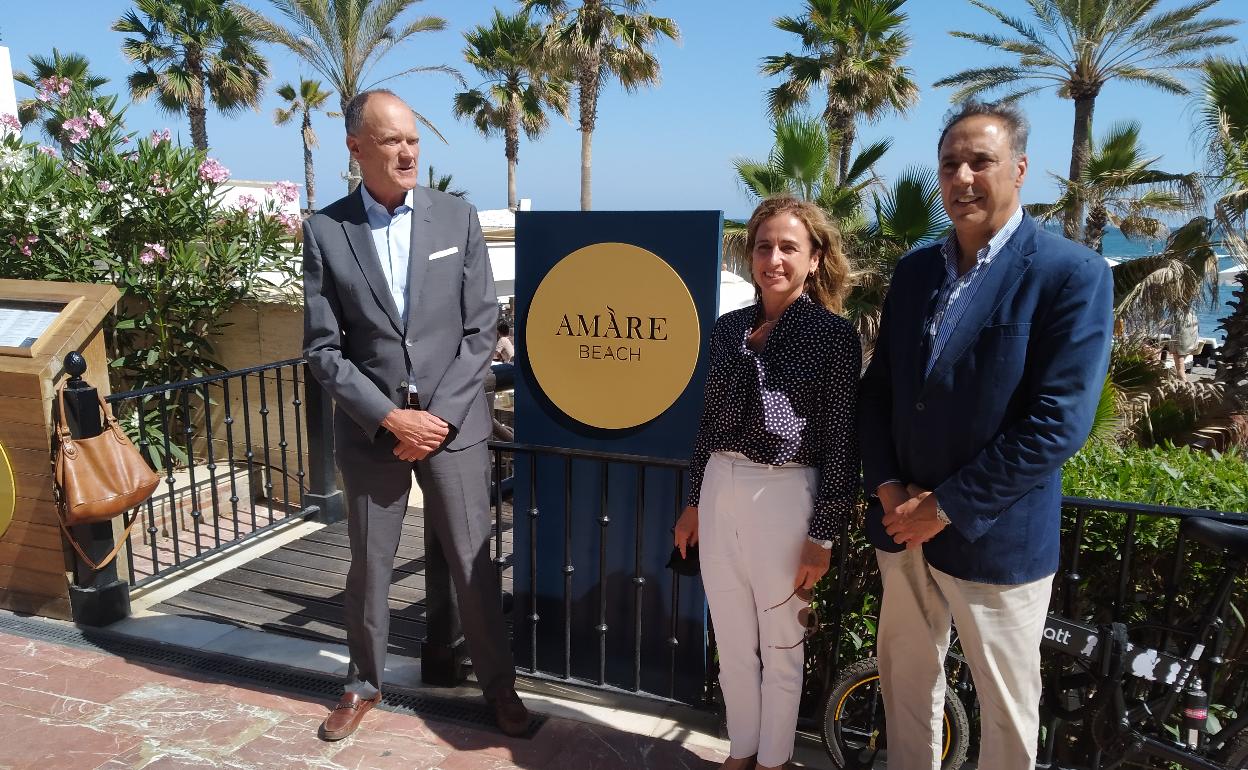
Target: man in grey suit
{"points": [[399, 326]]}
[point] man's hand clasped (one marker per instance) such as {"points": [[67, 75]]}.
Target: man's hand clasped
{"points": [[419, 433], [909, 514]]}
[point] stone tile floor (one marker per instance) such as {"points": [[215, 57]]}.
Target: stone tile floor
{"points": [[68, 709]]}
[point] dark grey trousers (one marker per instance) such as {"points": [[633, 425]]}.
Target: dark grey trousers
{"points": [[456, 487]]}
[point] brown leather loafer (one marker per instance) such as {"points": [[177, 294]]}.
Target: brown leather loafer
{"points": [[347, 716], [509, 713]]}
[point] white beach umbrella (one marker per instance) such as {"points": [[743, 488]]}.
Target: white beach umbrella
{"points": [[734, 292]]}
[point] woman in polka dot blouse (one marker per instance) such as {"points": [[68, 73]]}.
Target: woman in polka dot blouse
{"points": [[774, 473]]}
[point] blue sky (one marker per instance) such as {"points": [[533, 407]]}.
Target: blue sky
{"points": [[668, 147]]}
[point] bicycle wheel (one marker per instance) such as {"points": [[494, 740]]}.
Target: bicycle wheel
{"points": [[853, 721]]}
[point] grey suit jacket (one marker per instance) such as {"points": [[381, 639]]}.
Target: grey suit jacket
{"points": [[355, 340]]}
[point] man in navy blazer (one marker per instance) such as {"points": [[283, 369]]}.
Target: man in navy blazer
{"points": [[990, 359]]}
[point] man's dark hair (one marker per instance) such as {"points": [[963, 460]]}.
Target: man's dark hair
{"points": [[503, 328], [353, 115], [1005, 111]]}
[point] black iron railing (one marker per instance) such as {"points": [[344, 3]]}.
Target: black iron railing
{"points": [[577, 620], [231, 450], [242, 452]]}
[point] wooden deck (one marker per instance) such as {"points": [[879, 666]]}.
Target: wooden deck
{"points": [[297, 590]]}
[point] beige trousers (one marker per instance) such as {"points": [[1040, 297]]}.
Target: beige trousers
{"points": [[752, 522], [999, 626]]}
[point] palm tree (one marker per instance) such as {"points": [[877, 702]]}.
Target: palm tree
{"points": [[1159, 286], [442, 182], [798, 165], [1223, 110], [304, 102], [193, 52], [343, 40], [853, 48], [603, 39], [1223, 116], [909, 213], [73, 66], [1078, 47], [522, 79], [1120, 187]]}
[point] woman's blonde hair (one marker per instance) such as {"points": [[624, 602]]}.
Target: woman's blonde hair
{"points": [[829, 282]]}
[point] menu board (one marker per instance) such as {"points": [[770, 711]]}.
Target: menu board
{"points": [[21, 323]]}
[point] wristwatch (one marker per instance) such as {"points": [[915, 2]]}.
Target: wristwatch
{"points": [[824, 544], [940, 513]]}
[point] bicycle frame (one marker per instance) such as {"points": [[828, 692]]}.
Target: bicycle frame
{"points": [[1109, 659]]}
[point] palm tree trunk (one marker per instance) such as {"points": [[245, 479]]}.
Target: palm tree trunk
{"points": [[511, 149], [834, 120], [1094, 229], [847, 149], [1080, 151], [353, 168], [195, 101], [588, 85], [309, 182]]}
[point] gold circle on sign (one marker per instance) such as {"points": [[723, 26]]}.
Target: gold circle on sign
{"points": [[8, 492], [612, 335]]}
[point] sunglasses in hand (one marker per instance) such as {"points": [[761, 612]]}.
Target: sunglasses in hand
{"points": [[807, 616]]}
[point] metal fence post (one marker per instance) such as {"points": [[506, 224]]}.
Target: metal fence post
{"points": [[323, 491], [97, 597]]}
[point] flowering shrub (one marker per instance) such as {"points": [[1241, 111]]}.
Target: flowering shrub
{"points": [[146, 216]]}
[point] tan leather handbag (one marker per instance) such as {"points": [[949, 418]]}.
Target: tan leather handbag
{"points": [[99, 477]]}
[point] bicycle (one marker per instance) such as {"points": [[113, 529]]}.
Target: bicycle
{"points": [[1135, 703]]}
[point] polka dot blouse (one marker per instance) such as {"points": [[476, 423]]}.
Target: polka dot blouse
{"points": [[793, 402]]}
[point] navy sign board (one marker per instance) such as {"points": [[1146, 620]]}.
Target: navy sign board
{"points": [[613, 314]]}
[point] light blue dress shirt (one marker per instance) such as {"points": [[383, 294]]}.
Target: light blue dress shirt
{"points": [[392, 235], [958, 290]]}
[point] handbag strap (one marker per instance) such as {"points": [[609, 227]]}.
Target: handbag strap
{"points": [[62, 428], [121, 541]]}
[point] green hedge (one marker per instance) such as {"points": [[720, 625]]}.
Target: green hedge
{"points": [[1161, 475]]}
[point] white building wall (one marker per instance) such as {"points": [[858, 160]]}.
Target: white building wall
{"points": [[8, 96]]}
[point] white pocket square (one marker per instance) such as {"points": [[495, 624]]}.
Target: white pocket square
{"points": [[444, 253]]}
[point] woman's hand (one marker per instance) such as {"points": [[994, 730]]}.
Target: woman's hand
{"points": [[814, 563], [686, 532]]}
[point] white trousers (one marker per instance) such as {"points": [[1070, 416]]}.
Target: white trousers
{"points": [[752, 522], [999, 626]]}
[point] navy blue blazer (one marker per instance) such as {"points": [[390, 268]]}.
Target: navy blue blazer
{"points": [[1010, 398]]}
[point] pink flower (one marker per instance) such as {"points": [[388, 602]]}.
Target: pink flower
{"points": [[104, 186], [10, 121], [77, 128], [290, 221], [25, 250], [212, 171], [287, 192], [151, 253], [52, 85], [160, 136], [32, 239], [248, 203], [95, 118], [46, 150]]}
